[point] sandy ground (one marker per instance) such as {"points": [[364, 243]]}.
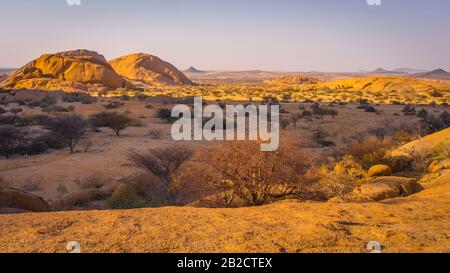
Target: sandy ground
{"points": [[419, 223]]}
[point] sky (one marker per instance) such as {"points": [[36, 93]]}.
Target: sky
{"points": [[272, 35]]}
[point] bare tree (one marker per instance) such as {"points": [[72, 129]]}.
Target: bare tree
{"points": [[164, 163], [70, 129]]}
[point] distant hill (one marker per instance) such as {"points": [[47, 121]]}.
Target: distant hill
{"points": [[438, 74], [410, 70], [193, 70], [384, 71]]}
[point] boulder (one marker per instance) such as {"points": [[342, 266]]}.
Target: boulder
{"points": [[385, 187], [145, 69], [437, 166], [23, 201], [379, 170]]}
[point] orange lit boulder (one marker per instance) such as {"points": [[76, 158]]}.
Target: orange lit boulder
{"points": [[78, 70], [145, 69]]}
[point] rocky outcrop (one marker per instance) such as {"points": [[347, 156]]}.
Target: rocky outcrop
{"points": [[385, 187], [78, 70], [293, 80], [20, 200], [147, 69]]}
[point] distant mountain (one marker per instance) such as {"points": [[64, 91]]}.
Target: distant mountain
{"points": [[438, 74], [7, 70], [410, 70], [384, 71], [193, 70]]}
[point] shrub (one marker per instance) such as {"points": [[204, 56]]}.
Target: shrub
{"points": [[43, 143], [284, 123], [113, 105], [370, 151], [8, 120], [323, 111], [295, 118], [242, 171], [93, 182], [155, 134], [319, 136], [342, 179], [12, 140], [70, 129], [441, 152], [30, 120], [55, 109], [165, 115], [164, 163], [16, 111], [125, 197], [371, 109], [409, 110]]}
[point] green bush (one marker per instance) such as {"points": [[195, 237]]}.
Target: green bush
{"points": [[125, 197]]}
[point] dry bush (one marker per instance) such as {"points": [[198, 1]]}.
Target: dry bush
{"points": [[93, 182], [441, 152], [12, 140], [370, 151], [420, 159], [32, 186], [155, 134], [339, 181], [163, 163], [81, 199], [113, 105], [241, 170]]}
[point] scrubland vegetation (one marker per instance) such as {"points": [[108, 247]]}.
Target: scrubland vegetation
{"points": [[327, 151]]}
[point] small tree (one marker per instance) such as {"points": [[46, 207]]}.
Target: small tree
{"points": [[117, 122], [284, 123], [70, 129], [164, 163]]}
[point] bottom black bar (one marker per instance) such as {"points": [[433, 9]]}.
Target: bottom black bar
{"points": [[172, 263]]}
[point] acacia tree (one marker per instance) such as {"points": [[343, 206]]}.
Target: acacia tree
{"points": [[164, 163], [115, 121], [70, 128]]}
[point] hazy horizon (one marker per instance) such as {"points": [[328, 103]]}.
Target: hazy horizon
{"points": [[296, 36]]}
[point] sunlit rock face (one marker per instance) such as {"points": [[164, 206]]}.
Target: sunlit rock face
{"points": [[76, 70], [147, 69]]}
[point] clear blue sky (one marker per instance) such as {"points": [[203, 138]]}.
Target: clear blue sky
{"points": [[301, 35]]}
